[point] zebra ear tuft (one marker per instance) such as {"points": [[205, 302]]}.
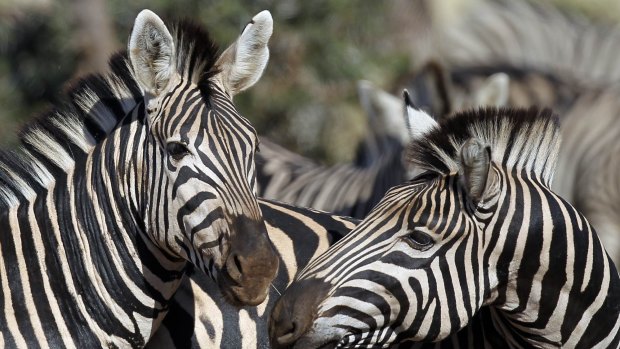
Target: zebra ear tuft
{"points": [[418, 122], [243, 63], [475, 171], [151, 51]]}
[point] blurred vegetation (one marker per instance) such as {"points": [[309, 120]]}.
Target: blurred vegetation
{"points": [[307, 94], [306, 99]]}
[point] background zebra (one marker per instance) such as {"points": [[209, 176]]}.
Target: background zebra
{"points": [[477, 243], [353, 189], [350, 189], [298, 234], [111, 194], [557, 60]]}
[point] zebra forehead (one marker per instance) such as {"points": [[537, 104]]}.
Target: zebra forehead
{"points": [[196, 53], [521, 139]]}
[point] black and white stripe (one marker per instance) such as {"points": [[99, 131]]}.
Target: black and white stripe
{"points": [[298, 234], [111, 195], [350, 189], [477, 244]]}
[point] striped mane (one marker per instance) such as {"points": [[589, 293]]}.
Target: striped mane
{"points": [[93, 108], [524, 35], [520, 139]]}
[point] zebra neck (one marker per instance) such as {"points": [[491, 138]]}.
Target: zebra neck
{"points": [[130, 277], [77, 269], [564, 290]]}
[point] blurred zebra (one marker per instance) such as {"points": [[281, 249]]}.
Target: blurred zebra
{"points": [[199, 317], [353, 189], [141, 171], [560, 61], [345, 189], [475, 252]]}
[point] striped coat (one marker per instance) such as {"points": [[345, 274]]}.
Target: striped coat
{"points": [[298, 234]]}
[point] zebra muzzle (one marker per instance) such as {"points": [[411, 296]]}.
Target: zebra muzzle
{"points": [[294, 313], [251, 264]]}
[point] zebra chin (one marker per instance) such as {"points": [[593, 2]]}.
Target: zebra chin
{"points": [[242, 295]]}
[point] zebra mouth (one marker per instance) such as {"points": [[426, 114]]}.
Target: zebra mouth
{"points": [[236, 294], [329, 345]]}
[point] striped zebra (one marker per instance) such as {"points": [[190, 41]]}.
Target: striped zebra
{"points": [[564, 62], [475, 252], [141, 171], [298, 234], [349, 189]]}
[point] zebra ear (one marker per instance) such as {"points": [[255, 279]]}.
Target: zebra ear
{"points": [[475, 171], [383, 111], [243, 63], [494, 91], [418, 122], [151, 51]]}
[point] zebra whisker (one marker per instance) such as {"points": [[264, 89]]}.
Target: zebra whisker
{"points": [[274, 287]]}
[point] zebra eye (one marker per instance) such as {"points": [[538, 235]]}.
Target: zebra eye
{"points": [[419, 240], [177, 150]]}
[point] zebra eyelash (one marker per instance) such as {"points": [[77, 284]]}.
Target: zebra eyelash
{"points": [[177, 150], [419, 240]]}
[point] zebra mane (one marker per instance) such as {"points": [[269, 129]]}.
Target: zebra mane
{"points": [[520, 139], [92, 108], [539, 37]]}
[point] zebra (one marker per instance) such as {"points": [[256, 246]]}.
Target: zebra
{"points": [[353, 189], [299, 235], [476, 251], [142, 172], [561, 61]]}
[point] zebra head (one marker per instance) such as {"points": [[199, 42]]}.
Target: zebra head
{"points": [[199, 170], [433, 251]]}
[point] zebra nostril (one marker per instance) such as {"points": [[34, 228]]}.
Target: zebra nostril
{"points": [[233, 267], [288, 335], [238, 264]]}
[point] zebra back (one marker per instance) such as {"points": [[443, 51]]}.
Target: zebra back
{"points": [[535, 37], [348, 189]]}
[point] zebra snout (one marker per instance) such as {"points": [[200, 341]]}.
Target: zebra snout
{"points": [[251, 264], [295, 311]]}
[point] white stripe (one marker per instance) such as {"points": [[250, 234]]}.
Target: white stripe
{"points": [[33, 316], [9, 312], [47, 289]]}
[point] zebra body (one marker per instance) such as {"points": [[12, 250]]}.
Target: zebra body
{"points": [[477, 251], [111, 195], [348, 189], [577, 76], [298, 234]]}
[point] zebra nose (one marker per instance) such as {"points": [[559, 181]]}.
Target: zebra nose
{"points": [[293, 314], [251, 264]]}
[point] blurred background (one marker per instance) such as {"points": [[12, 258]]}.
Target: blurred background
{"points": [[307, 98]]}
